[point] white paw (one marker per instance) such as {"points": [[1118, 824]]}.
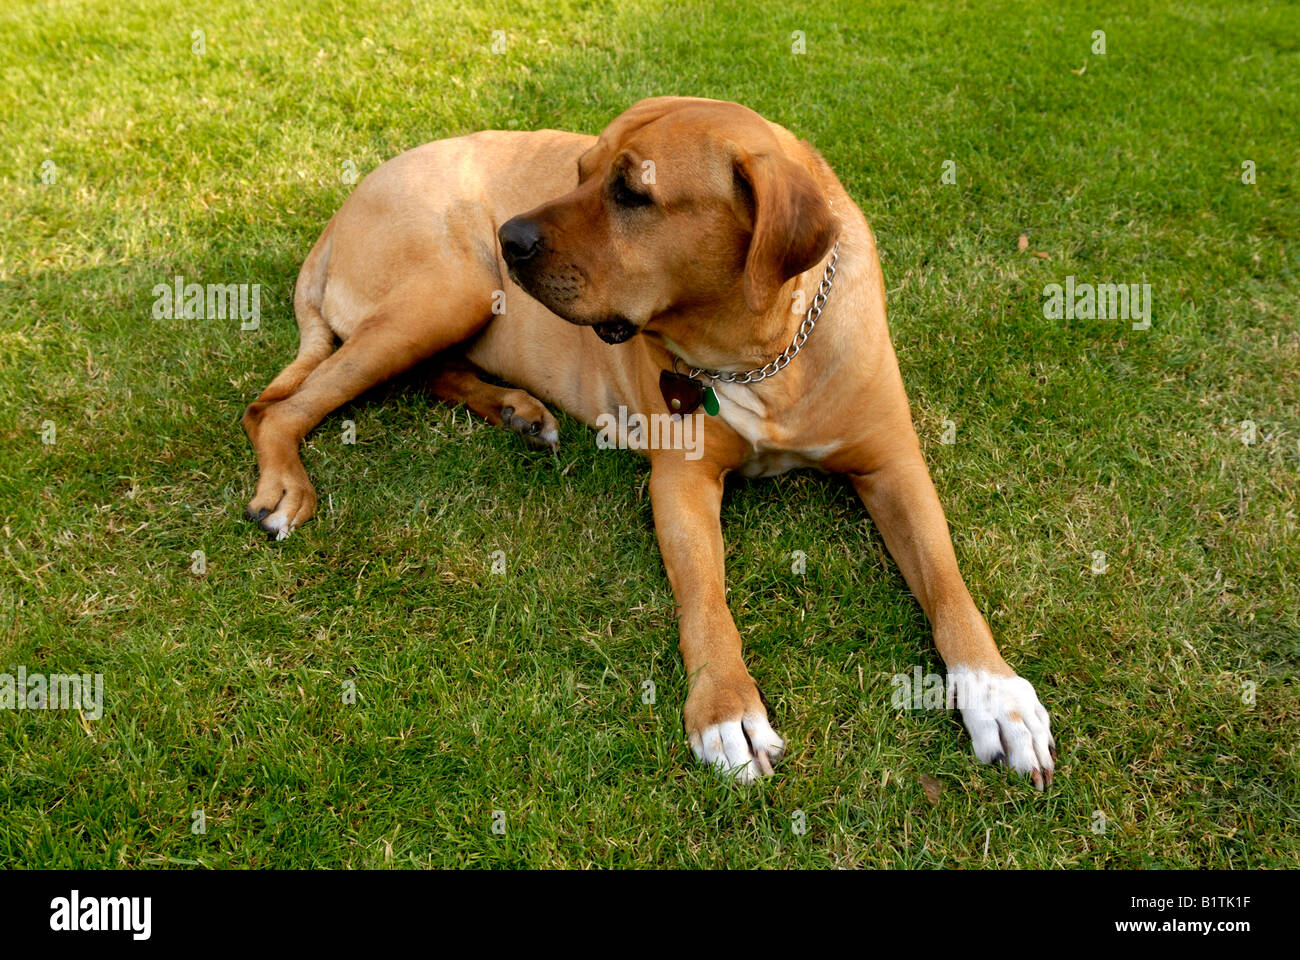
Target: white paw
{"points": [[745, 748], [278, 525], [1007, 724]]}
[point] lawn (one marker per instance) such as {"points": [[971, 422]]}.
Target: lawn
{"points": [[369, 693]]}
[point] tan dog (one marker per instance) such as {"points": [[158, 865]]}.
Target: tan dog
{"points": [[691, 232]]}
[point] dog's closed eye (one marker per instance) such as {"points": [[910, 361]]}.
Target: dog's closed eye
{"points": [[624, 196]]}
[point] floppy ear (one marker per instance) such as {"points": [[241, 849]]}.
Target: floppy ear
{"points": [[792, 224]]}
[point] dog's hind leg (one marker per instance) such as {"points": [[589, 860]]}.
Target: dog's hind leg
{"points": [[456, 380], [394, 335]]}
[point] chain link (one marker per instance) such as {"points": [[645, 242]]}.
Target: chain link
{"points": [[792, 351]]}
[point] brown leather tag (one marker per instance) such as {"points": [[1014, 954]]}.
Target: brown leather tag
{"points": [[681, 393]]}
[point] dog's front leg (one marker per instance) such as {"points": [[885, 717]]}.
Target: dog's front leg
{"points": [[1007, 724], [725, 717]]}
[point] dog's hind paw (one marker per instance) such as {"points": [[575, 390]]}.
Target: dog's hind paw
{"points": [[283, 502]]}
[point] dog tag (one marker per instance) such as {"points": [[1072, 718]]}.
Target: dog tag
{"points": [[683, 394], [710, 402]]}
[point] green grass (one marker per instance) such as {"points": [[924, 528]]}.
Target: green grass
{"points": [[522, 693]]}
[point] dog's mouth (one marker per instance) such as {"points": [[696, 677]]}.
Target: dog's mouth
{"points": [[615, 331]]}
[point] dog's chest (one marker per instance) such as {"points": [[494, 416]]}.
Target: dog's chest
{"points": [[770, 453]]}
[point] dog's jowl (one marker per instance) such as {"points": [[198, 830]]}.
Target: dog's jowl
{"points": [[691, 236]]}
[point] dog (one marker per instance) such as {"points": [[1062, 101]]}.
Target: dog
{"points": [[694, 261]]}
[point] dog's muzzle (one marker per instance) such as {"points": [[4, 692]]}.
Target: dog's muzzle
{"points": [[522, 246]]}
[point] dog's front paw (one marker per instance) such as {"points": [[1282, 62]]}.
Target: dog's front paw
{"points": [[728, 728], [1007, 724], [523, 414]]}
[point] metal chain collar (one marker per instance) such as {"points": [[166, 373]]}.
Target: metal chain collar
{"points": [[792, 351]]}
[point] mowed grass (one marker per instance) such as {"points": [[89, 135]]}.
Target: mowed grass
{"points": [[523, 693]]}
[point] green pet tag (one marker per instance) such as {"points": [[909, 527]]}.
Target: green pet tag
{"points": [[710, 402]]}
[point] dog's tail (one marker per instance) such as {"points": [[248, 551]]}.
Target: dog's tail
{"points": [[315, 339]]}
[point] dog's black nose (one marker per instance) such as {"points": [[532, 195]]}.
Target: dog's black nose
{"points": [[521, 240]]}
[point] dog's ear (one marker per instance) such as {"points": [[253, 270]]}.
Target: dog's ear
{"points": [[790, 221]]}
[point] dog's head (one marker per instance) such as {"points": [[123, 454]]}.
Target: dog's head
{"points": [[683, 206]]}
